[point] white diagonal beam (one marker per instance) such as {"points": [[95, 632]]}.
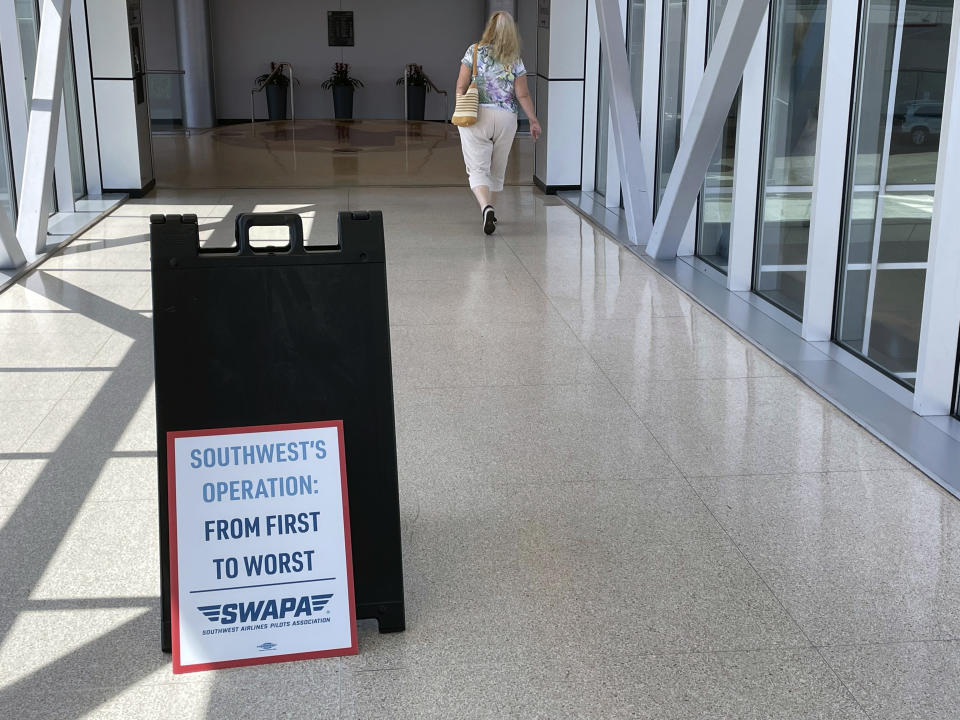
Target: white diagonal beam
{"points": [[735, 38], [637, 200], [44, 122]]}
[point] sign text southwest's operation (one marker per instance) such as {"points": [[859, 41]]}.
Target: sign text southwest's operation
{"points": [[227, 456], [257, 453]]}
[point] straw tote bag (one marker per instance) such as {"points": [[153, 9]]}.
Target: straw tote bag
{"points": [[465, 113]]}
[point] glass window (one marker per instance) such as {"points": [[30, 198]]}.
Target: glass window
{"points": [[28, 28], [791, 109], [635, 59], [956, 398], [901, 74], [71, 106], [716, 199], [635, 17], [672, 44], [603, 131], [28, 25], [8, 201]]}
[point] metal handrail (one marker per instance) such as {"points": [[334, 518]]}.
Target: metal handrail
{"points": [[406, 110], [280, 67]]}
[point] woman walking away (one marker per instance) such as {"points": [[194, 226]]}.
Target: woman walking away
{"points": [[501, 81]]}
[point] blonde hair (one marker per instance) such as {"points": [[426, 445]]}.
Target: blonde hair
{"points": [[502, 38]]}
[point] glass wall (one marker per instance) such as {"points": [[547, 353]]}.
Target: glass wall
{"points": [[791, 109], [672, 44], [902, 62], [956, 397], [71, 106], [28, 28], [603, 131], [28, 25], [8, 201], [635, 17], [716, 199]]}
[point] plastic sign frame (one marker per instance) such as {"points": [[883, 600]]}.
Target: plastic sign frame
{"points": [[310, 601]]}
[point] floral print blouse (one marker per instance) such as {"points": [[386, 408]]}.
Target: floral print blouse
{"points": [[495, 81]]}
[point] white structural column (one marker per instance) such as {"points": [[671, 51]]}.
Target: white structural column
{"points": [[44, 121], [826, 210], [746, 166], [940, 327], [561, 44], [637, 198], [738, 30]]}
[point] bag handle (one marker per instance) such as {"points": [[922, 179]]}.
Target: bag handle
{"points": [[476, 47]]}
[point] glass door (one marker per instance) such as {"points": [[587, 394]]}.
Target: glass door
{"points": [[716, 198], [791, 110], [669, 120], [891, 175]]}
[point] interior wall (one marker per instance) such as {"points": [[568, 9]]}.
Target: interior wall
{"points": [[249, 34]]}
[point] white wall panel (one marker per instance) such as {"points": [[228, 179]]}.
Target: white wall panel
{"points": [[118, 151], [109, 38], [563, 140]]}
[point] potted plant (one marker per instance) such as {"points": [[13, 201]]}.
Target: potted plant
{"points": [[418, 85], [276, 84], [343, 86]]}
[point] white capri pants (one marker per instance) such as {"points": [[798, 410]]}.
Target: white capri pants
{"points": [[486, 146]]}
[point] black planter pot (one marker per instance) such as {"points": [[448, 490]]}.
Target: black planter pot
{"points": [[276, 102], [343, 102], [416, 101]]}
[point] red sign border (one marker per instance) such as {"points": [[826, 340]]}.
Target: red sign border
{"points": [[178, 668]]}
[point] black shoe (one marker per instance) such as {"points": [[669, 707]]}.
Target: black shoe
{"points": [[489, 220]]}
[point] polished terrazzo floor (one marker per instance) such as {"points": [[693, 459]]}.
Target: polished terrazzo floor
{"points": [[612, 506], [322, 153]]}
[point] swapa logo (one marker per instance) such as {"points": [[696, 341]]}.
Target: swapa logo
{"points": [[258, 610]]}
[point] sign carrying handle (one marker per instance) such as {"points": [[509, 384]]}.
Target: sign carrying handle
{"points": [[291, 221]]}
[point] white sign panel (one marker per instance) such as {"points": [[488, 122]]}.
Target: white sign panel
{"points": [[260, 565]]}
